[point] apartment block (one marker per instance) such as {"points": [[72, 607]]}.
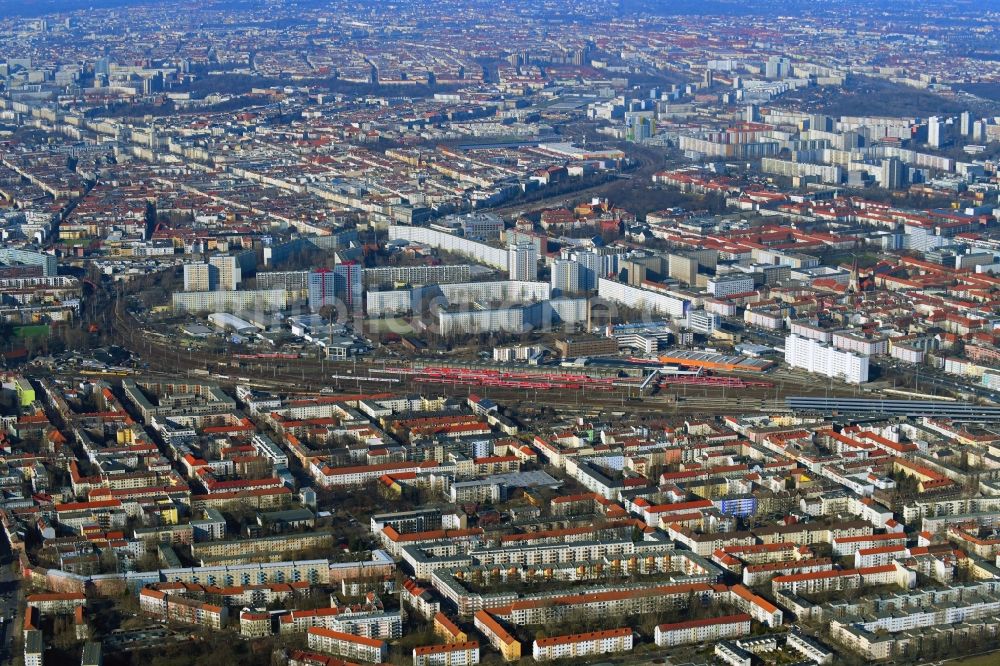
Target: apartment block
{"points": [[702, 631], [572, 646], [814, 356], [346, 645], [448, 654]]}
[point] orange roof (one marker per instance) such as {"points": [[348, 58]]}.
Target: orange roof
{"points": [[492, 625], [882, 549], [55, 596], [79, 506], [580, 638], [890, 536], [746, 594], [31, 617], [707, 622], [445, 622], [393, 535], [577, 599], [815, 575], [349, 638], [446, 647]]}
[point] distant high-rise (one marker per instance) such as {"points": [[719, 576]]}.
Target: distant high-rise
{"points": [[820, 123], [683, 268], [979, 131], [152, 84], [102, 67], [197, 277], [752, 113], [565, 277], [777, 67], [522, 261], [965, 121], [935, 132], [228, 273], [349, 278], [852, 140], [591, 268], [341, 285], [892, 173], [322, 289], [221, 273], [641, 129]]}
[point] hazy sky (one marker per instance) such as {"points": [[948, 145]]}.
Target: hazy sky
{"points": [[893, 7]]}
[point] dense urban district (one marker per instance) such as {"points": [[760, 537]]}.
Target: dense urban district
{"points": [[456, 332]]}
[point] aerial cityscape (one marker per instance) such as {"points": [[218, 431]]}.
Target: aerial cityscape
{"points": [[452, 332]]}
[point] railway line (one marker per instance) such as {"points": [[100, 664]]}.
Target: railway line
{"points": [[577, 391]]}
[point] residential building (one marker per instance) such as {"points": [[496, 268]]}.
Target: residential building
{"points": [[822, 359], [573, 646], [347, 645], [702, 631], [522, 262], [728, 284], [448, 654], [565, 277]]}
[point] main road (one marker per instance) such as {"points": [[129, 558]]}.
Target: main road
{"points": [[10, 601]]}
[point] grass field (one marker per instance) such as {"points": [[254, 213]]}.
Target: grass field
{"points": [[991, 659], [34, 331], [398, 326]]}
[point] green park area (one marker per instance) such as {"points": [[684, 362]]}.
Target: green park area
{"points": [[32, 331]]}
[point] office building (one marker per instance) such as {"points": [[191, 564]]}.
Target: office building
{"points": [[700, 321], [575, 347], [481, 226]]}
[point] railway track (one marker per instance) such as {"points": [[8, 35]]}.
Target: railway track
{"points": [[311, 375]]}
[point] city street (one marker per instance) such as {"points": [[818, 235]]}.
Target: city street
{"points": [[10, 597]]}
